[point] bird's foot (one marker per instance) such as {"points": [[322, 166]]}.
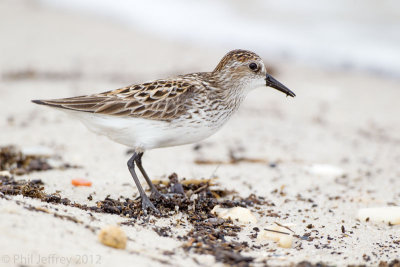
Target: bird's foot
{"points": [[147, 204], [159, 196], [155, 194]]}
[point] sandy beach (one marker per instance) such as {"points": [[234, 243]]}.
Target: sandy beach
{"points": [[319, 157]]}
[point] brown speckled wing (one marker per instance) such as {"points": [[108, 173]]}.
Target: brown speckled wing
{"points": [[158, 100]]}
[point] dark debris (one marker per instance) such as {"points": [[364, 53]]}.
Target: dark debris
{"points": [[209, 233], [14, 161], [393, 263]]}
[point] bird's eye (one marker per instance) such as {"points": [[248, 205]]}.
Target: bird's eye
{"points": [[253, 66]]}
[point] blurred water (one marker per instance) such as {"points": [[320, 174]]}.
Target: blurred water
{"points": [[342, 33]]}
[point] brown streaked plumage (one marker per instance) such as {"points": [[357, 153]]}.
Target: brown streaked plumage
{"points": [[158, 100], [169, 112], [236, 56]]}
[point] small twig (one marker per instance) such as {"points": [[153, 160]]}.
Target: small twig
{"points": [[201, 188], [279, 232], [284, 227], [214, 172]]}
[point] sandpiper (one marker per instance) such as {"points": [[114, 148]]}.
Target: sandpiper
{"points": [[169, 112]]}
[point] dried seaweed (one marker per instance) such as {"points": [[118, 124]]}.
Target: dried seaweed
{"points": [[17, 163], [209, 233]]}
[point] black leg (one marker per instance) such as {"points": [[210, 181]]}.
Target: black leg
{"points": [[154, 192], [146, 203]]}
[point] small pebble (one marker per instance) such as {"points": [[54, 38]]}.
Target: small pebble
{"points": [[238, 214], [380, 214], [285, 241], [325, 170], [113, 236], [284, 238]]}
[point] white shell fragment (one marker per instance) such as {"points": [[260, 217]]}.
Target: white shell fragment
{"points": [[113, 236], [380, 214], [325, 170], [239, 214], [5, 174], [276, 233], [286, 241], [37, 151]]}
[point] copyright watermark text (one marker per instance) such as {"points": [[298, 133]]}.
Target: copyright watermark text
{"points": [[49, 259]]}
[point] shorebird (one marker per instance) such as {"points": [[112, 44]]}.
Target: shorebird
{"points": [[170, 112]]}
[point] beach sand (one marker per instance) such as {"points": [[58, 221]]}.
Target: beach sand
{"points": [[330, 151]]}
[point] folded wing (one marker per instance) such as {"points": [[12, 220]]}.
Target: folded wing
{"points": [[158, 100]]}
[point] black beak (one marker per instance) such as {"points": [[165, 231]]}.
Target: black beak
{"points": [[272, 82]]}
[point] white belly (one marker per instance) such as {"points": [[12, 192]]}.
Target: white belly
{"points": [[144, 134]]}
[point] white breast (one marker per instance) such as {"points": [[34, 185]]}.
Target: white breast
{"points": [[144, 134]]}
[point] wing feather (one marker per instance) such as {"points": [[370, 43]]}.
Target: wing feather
{"points": [[158, 100]]}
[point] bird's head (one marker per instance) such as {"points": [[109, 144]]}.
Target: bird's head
{"points": [[245, 69]]}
